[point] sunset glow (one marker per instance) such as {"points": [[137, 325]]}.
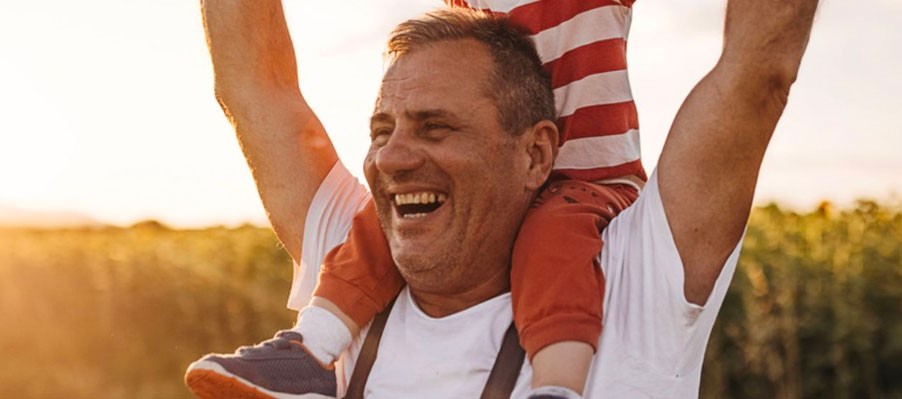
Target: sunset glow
{"points": [[108, 109]]}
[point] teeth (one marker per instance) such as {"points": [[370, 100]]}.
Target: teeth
{"points": [[420, 198]]}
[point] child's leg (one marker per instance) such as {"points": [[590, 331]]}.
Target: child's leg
{"points": [[557, 285], [358, 279], [359, 276]]}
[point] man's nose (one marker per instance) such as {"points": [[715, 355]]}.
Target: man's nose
{"points": [[399, 154]]}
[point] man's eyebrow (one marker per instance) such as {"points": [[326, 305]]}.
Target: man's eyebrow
{"points": [[414, 115], [380, 117]]}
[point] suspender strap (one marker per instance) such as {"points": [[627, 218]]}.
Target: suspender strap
{"points": [[500, 384], [507, 367], [367, 355]]}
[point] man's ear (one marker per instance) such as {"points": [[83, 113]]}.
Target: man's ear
{"points": [[542, 148]]}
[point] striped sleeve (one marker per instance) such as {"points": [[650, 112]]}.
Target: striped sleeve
{"points": [[583, 46]]}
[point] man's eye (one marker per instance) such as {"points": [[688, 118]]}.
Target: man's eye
{"points": [[436, 126], [379, 135], [380, 131]]}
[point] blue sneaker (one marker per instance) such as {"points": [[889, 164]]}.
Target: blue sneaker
{"points": [[280, 368]]}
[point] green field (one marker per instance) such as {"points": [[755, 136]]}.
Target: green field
{"points": [[815, 309]]}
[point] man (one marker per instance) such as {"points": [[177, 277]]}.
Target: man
{"points": [[436, 129]]}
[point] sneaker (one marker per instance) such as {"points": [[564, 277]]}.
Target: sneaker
{"points": [[280, 368]]}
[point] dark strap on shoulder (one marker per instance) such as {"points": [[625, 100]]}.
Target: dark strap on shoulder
{"points": [[367, 355], [500, 384], [507, 367]]}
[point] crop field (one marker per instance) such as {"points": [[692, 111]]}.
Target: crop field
{"points": [[814, 311]]}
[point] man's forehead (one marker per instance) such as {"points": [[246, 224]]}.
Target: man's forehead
{"points": [[425, 71], [422, 102]]}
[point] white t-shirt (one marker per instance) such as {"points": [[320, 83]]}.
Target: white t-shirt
{"points": [[652, 345]]}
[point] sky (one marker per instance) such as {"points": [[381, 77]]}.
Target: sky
{"points": [[107, 107]]}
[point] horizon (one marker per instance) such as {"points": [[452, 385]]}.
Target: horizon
{"points": [[29, 218]]}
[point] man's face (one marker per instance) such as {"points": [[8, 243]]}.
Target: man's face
{"points": [[447, 180]]}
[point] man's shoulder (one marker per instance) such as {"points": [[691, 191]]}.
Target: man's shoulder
{"points": [[337, 199]]}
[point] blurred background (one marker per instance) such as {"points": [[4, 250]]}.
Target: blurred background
{"points": [[132, 240]]}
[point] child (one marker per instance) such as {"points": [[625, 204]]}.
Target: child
{"points": [[557, 288]]}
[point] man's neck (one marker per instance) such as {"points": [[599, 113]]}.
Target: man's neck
{"points": [[444, 303]]}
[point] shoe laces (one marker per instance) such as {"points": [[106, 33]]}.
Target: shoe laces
{"points": [[283, 340]]}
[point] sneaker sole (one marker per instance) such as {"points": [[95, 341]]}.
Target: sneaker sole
{"points": [[209, 380]]}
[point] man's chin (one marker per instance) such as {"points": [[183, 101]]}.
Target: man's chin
{"points": [[415, 263], [409, 243], [411, 259]]}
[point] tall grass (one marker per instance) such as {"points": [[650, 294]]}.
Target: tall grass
{"points": [[119, 313], [814, 309]]}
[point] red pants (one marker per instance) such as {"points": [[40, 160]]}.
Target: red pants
{"points": [[557, 286]]}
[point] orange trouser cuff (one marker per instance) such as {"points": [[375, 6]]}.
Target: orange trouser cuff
{"points": [[560, 327]]}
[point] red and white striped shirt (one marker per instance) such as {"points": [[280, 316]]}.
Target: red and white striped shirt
{"points": [[582, 44]]}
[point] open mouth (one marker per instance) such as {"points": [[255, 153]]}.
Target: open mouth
{"points": [[416, 205]]}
